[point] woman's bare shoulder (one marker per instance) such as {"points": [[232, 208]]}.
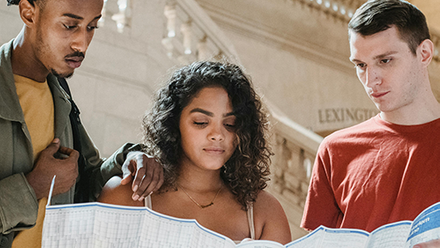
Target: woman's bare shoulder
{"points": [[266, 200], [270, 215], [114, 192]]}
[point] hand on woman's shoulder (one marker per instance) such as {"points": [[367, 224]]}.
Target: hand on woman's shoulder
{"points": [[270, 219], [114, 192]]}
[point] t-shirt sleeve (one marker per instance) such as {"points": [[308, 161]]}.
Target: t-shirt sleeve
{"points": [[321, 207]]}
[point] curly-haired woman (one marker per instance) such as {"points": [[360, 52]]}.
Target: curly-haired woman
{"points": [[207, 128]]}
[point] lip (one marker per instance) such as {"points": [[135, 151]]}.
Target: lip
{"points": [[74, 62], [214, 150], [378, 94]]}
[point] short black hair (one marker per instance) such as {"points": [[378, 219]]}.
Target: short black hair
{"points": [[378, 15], [16, 2], [13, 2]]}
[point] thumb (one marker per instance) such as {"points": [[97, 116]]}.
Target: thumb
{"points": [[53, 147], [126, 179], [127, 173]]}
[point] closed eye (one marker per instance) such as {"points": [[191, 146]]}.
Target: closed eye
{"points": [[91, 28], [69, 27], [230, 127], [385, 61], [201, 123]]}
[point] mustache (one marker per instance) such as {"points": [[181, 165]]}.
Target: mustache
{"points": [[76, 54]]}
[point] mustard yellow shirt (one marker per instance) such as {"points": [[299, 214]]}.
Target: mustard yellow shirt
{"points": [[37, 105]]}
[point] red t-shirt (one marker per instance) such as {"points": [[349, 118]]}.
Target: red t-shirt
{"points": [[374, 173]]}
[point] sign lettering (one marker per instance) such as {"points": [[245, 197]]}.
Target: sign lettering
{"points": [[339, 115]]}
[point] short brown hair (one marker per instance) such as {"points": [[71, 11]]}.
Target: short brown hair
{"points": [[378, 15]]}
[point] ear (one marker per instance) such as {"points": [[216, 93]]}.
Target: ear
{"points": [[27, 12], [426, 50]]}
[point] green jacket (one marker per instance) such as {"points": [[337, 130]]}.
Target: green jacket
{"points": [[18, 202]]}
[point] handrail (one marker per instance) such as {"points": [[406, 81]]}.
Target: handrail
{"points": [[292, 131]]}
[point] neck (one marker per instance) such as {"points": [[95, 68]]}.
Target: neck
{"points": [[424, 112], [198, 180], [202, 187], [24, 60]]}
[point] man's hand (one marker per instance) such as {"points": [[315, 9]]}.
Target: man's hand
{"points": [[146, 172], [431, 244], [47, 165]]}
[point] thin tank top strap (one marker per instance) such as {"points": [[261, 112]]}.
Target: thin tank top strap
{"points": [[250, 217], [147, 201]]}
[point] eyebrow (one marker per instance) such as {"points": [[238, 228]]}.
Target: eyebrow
{"points": [[79, 17], [378, 57], [205, 112], [385, 55], [354, 60]]}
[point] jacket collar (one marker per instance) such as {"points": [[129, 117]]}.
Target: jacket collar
{"points": [[10, 108], [61, 104]]}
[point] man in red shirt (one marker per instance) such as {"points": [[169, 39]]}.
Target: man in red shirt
{"points": [[382, 170]]}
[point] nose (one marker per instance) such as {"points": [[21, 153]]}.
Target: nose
{"points": [[216, 133], [81, 40], [372, 77]]}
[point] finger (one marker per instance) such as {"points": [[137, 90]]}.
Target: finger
{"points": [[53, 147], [130, 166], [126, 173], [133, 170], [139, 183], [126, 179], [152, 180], [134, 167], [153, 185], [161, 181], [149, 190], [71, 153], [156, 182]]}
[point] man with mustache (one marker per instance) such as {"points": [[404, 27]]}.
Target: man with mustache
{"points": [[384, 169], [35, 129]]}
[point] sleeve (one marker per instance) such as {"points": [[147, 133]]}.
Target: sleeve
{"points": [[99, 170], [321, 206], [19, 206]]}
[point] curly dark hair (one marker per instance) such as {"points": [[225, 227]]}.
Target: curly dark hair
{"points": [[247, 171]]}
